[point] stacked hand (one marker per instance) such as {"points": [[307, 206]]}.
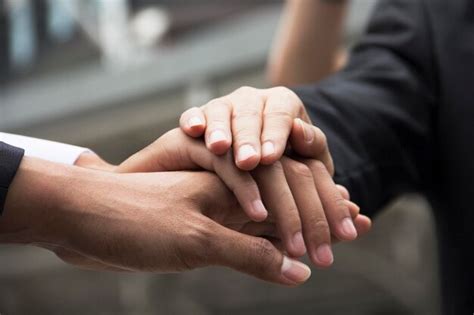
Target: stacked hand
{"points": [[259, 126], [293, 196], [149, 214]]}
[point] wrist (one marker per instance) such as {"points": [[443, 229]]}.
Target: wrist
{"points": [[37, 202]]}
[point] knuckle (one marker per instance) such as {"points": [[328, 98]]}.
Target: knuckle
{"points": [[263, 248], [263, 257], [339, 202], [245, 90], [288, 95], [276, 167], [197, 250], [301, 170], [292, 220], [334, 206], [279, 116], [218, 102], [317, 166], [243, 188], [320, 139], [319, 225], [281, 90], [245, 113], [217, 123]]}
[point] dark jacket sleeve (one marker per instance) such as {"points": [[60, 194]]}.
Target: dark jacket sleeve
{"points": [[10, 159], [378, 111]]}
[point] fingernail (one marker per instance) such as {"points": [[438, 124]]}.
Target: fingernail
{"points": [[308, 134], [217, 136], [259, 208], [195, 121], [295, 271], [268, 148], [246, 151], [349, 228], [324, 254], [298, 243]]}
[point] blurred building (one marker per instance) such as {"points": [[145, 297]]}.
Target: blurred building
{"points": [[113, 75]]}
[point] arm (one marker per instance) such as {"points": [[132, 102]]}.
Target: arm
{"points": [[378, 112], [165, 155], [136, 222], [307, 45]]}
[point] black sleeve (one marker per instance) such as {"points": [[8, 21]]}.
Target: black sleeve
{"points": [[10, 159], [378, 111]]}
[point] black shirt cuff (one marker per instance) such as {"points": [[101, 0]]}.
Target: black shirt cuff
{"points": [[10, 159]]}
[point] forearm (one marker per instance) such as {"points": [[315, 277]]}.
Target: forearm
{"points": [[377, 113], [39, 199], [307, 45]]}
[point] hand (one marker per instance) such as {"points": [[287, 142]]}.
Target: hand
{"points": [[289, 189], [157, 222], [255, 122]]}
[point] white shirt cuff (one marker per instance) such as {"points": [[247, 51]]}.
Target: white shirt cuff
{"points": [[45, 149]]}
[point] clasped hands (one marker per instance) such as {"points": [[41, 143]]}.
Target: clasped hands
{"points": [[245, 182]]}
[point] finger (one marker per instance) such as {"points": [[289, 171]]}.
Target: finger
{"points": [[193, 122], [190, 154], [310, 142], [218, 132], [279, 200], [354, 209], [337, 211], [363, 224], [194, 155], [262, 229], [315, 226], [277, 243], [344, 192], [239, 182], [281, 107], [257, 257], [247, 107]]}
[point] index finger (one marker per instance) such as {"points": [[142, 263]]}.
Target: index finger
{"points": [[281, 107]]}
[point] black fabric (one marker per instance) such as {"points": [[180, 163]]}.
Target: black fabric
{"points": [[400, 118], [10, 159]]}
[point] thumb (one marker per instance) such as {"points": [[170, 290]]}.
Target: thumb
{"points": [[168, 153], [258, 257], [310, 142], [175, 151]]}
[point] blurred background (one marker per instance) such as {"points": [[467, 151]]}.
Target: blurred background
{"points": [[113, 75]]}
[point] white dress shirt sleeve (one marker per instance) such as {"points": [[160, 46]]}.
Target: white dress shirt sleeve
{"points": [[45, 149]]}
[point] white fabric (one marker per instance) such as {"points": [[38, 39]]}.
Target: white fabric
{"points": [[45, 149]]}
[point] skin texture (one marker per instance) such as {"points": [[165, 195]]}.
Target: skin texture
{"points": [[153, 222], [307, 46], [103, 218], [268, 121], [255, 123], [288, 188]]}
